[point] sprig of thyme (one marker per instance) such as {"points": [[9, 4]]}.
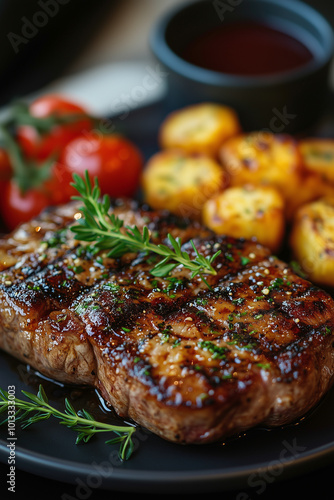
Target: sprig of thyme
{"points": [[102, 228], [37, 408]]}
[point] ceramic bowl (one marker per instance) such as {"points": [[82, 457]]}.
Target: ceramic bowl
{"points": [[290, 101]]}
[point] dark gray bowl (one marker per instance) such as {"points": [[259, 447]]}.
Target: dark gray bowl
{"points": [[287, 102]]}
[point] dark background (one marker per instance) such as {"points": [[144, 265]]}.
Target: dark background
{"points": [[51, 48], [26, 67]]}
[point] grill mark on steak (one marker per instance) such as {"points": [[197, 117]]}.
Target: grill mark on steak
{"points": [[191, 363]]}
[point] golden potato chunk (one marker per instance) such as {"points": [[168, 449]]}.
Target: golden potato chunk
{"points": [[199, 128], [263, 158], [318, 156], [248, 212], [181, 183], [312, 187], [312, 240]]}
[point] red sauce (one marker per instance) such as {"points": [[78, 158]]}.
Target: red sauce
{"points": [[247, 48]]}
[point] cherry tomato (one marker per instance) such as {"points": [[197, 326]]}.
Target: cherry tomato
{"points": [[5, 169], [40, 147], [57, 187], [114, 160], [18, 207], [5, 175]]}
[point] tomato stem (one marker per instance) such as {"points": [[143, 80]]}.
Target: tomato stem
{"points": [[27, 174], [21, 115]]}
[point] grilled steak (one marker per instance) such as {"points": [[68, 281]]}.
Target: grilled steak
{"points": [[191, 363]]}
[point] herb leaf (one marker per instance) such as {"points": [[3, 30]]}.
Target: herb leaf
{"points": [[102, 228], [37, 408]]}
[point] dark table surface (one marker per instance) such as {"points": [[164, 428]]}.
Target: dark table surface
{"points": [[316, 485]]}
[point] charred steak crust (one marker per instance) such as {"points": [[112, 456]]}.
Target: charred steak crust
{"points": [[193, 364]]}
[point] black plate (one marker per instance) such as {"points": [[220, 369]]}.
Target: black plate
{"points": [[251, 460]]}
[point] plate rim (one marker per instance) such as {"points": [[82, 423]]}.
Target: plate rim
{"points": [[130, 480]]}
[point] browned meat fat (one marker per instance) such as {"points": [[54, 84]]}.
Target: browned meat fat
{"points": [[193, 364]]}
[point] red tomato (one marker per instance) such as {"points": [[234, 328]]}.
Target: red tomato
{"points": [[40, 147], [57, 187], [5, 175], [5, 169], [18, 207], [113, 159]]}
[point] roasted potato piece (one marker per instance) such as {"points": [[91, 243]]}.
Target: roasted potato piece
{"points": [[263, 158], [181, 183], [248, 212], [318, 156], [312, 240], [312, 187], [199, 128]]}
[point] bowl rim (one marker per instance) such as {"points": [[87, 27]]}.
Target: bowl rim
{"points": [[190, 71]]}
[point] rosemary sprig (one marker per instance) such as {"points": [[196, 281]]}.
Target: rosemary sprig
{"points": [[37, 408], [102, 228]]}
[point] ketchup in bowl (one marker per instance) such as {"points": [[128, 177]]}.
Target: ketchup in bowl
{"points": [[247, 48]]}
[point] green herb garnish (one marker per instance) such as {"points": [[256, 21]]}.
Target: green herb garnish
{"points": [[37, 408], [264, 366], [218, 352], [102, 228]]}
